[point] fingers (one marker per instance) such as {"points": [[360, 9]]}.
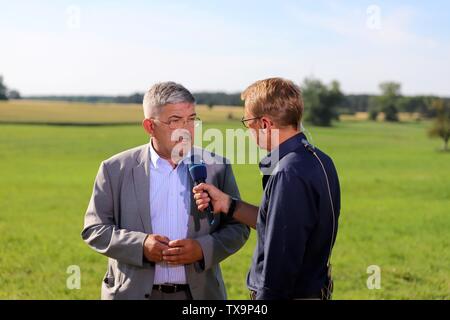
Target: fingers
{"points": [[154, 245], [178, 253], [162, 239], [202, 204], [157, 257], [202, 187], [177, 259], [201, 195], [202, 200], [182, 251], [178, 243], [173, 251], [160, 247]]}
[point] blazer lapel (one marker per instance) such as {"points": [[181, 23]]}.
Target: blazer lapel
{"points": [[142, 188]]}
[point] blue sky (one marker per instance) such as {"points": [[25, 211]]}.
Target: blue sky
{"points": [[119, 47]]}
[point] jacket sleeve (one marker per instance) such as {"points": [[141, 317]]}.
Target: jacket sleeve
{"points": [[229, 237], [100, 230]]}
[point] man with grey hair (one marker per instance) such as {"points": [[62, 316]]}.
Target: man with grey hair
{"points": [[142, 216]]}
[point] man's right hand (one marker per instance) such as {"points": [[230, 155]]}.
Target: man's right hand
{"points": [[154, 245], [205, 193]]}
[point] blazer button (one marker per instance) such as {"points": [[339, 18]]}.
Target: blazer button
{"points": [[147, 295]]}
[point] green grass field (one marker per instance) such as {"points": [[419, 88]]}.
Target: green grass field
{"points": [[395, 204]]}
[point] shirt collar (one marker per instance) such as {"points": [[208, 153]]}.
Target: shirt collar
{"points": [[271, 160]]}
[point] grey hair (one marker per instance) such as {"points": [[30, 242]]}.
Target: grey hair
{"points": [[163, 93]]}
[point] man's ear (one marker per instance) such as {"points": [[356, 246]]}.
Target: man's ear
{"points": [[266, 123], [147, 124]]}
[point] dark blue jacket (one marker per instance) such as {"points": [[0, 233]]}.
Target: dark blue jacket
{"points": [[294, 224]]}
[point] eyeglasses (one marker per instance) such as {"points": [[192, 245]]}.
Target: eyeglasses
{"points": [[180, 123], [244, 121]]}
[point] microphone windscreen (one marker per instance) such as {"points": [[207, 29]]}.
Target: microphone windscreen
{"points": [[198, 172]]}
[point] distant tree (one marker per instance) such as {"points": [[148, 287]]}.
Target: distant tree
{"points": [[354, 103], [409, 104], [3, 90], [390, 112], [210, 105], [13, 94], [218, 98], [136, 98], [373, 114], [428, 111], [321, 101], [441, 124], [417, 104], [373, 108], [390, 89], [388, 102]]}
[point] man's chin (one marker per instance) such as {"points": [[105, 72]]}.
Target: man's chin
{"points": [[182, 148], [184, 144]]}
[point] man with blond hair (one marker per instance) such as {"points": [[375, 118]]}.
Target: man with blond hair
{"points": [[297, 219]]}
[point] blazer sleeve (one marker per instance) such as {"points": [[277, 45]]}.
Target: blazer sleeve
{"points": [[230, 236], [100, 230]]}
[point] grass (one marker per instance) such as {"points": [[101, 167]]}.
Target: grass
{"points": [[395, 207]]}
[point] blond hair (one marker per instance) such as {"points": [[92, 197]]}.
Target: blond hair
{"points": [[277, 98]]}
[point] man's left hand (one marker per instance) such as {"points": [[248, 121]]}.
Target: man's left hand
{"points": [[183, 251]]}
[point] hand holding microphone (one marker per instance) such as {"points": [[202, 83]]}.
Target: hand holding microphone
{"points": [[198, 173], [213, 200], [206, 194]]}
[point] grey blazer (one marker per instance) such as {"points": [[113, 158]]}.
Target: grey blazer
{"points": [[117, 221]]}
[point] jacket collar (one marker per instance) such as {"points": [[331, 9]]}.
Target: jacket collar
{"points": [[268, 163]]}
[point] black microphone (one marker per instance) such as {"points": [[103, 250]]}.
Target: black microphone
{"points": [[199, 174], [308, 146]]}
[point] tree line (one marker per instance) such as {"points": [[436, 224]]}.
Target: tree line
{"points": [[323, 103], [6, 93], [208, 98], [390, 101]]}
